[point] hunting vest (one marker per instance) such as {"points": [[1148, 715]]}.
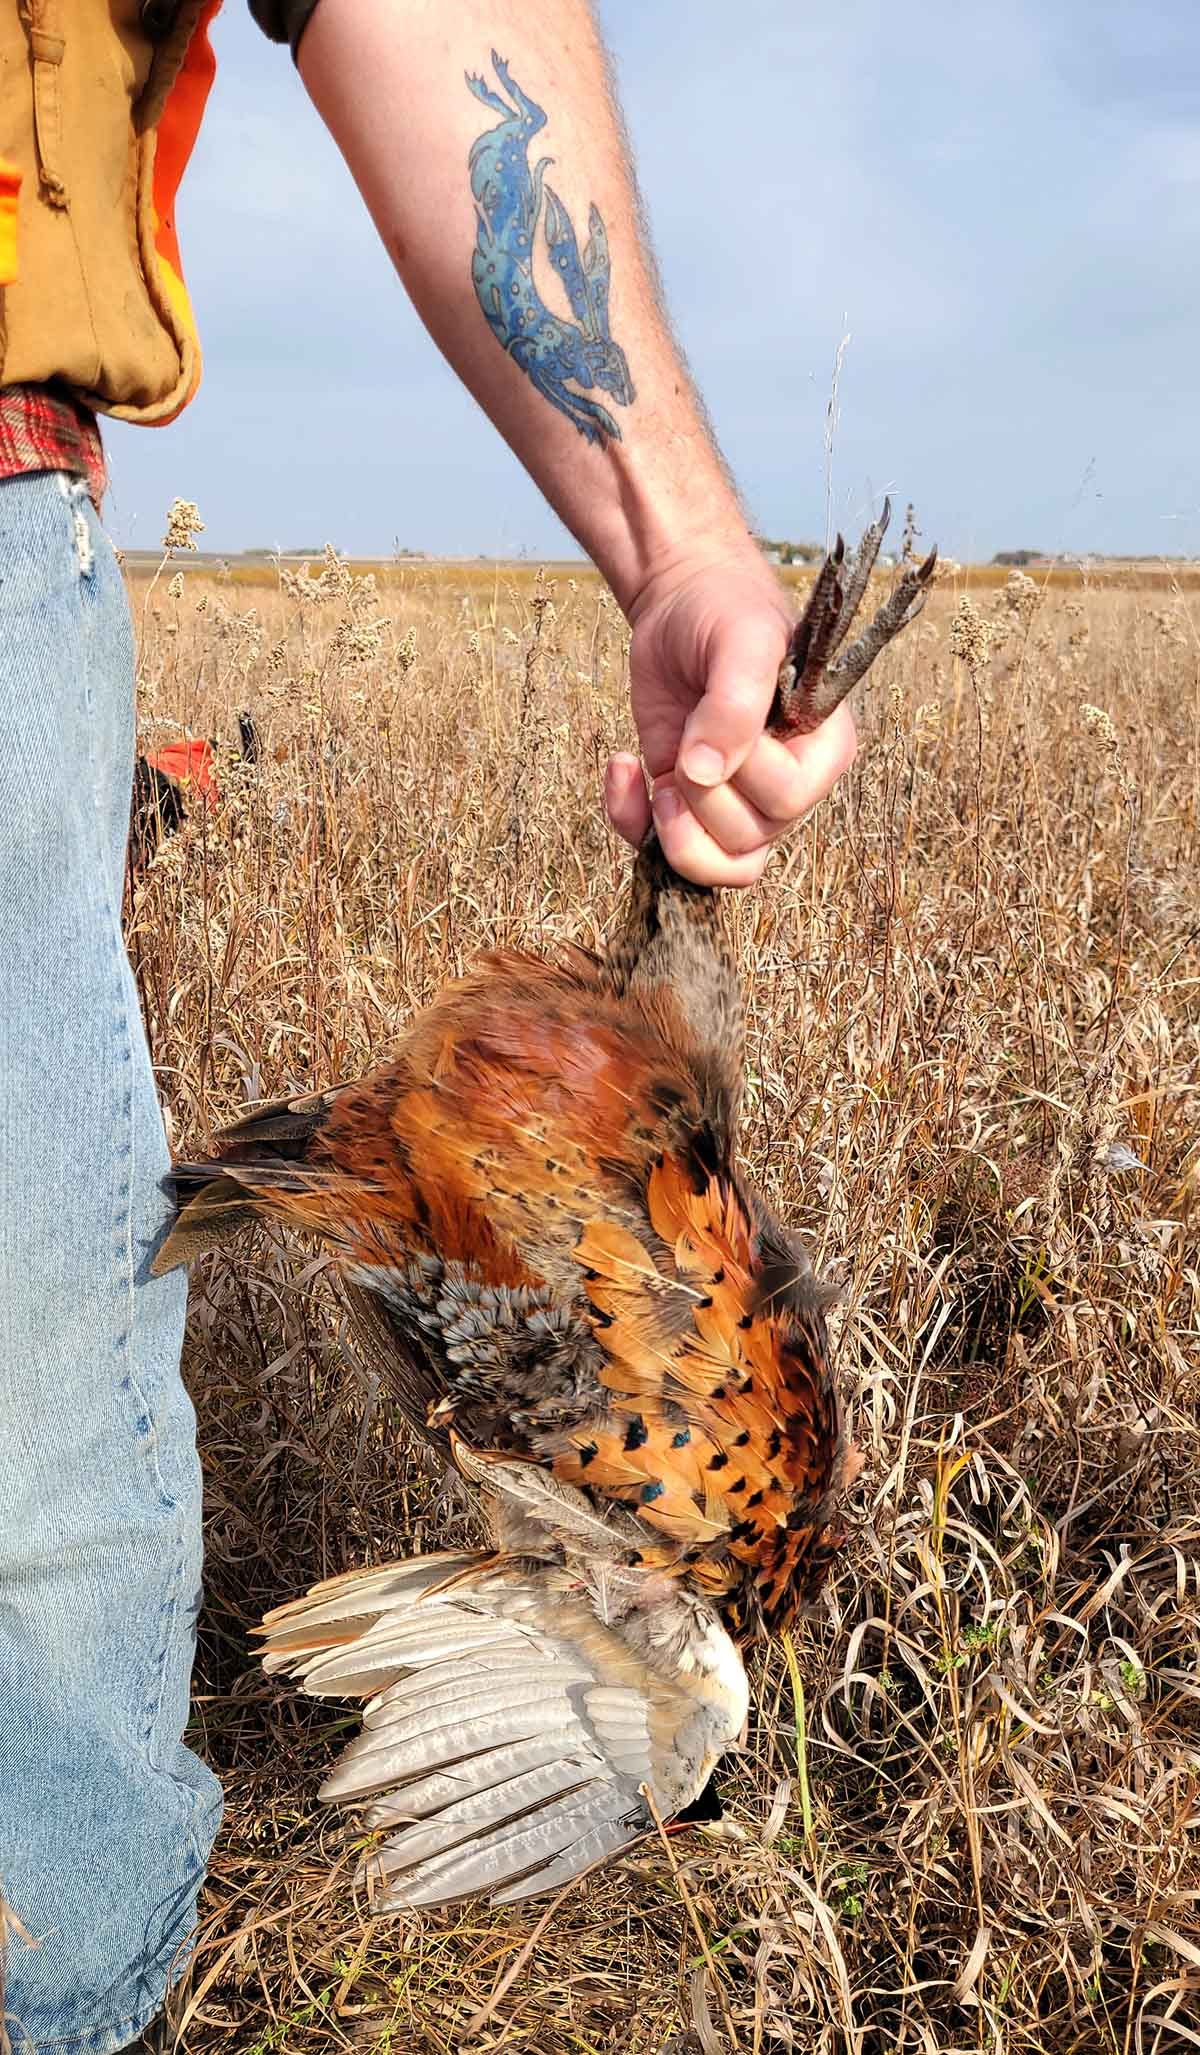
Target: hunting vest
{"points": [[100, 104]]}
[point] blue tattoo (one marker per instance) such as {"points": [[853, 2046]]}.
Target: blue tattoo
{"points": [[508, 204]]}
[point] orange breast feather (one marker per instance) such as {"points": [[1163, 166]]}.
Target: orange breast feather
{"points": [[724, 1427], [524, 1104]]}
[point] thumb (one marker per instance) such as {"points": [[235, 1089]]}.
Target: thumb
{"points": [[743, 668]]}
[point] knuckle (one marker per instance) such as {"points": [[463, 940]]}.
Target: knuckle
{"points": [[792, 799], [736, 838], [728, 819], [776, 784], [748, 870]]}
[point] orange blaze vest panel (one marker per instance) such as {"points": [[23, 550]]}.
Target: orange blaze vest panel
{"points": [[97, 122]]}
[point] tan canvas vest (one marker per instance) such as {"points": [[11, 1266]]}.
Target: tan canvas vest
{"points": [[89, 102]]}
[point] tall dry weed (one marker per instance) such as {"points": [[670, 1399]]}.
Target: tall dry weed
{"points": [[969, 1821]]}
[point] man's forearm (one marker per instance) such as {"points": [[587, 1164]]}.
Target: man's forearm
{"points": [[531, 275], [483, 138]]}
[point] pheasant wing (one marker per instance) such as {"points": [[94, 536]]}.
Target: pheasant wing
{"points": [[509, 1736]]}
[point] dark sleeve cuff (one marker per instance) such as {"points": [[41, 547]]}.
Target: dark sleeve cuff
{"points": [[283, 20]]}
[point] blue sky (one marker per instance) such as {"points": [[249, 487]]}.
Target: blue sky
{"points": [[1000, 206]]}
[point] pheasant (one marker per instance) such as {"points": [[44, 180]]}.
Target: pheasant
{"points": [[536, 1206]]}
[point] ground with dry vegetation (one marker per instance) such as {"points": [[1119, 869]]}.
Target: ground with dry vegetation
{"points": [[968, 1820]]}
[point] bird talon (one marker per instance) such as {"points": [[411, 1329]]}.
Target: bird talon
{"points": [[813, 679]]}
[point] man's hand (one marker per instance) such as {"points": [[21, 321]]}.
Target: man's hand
{"points": [[708, 640]]}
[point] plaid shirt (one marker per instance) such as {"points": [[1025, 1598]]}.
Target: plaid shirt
{"points": [[43, 429]]}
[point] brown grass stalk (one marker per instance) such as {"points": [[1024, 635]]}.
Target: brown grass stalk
{"points": [[970, 989]]}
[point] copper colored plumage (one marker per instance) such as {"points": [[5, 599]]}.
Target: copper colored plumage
{"points": [[538, 1207]]}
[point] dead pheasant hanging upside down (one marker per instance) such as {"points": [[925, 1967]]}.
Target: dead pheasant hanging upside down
{"points": [[620, 1346]]}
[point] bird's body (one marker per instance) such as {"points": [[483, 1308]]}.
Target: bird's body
{"points": [[625, 1352]]}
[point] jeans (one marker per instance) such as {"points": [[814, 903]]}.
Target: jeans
{"points": [[106, 1819]]}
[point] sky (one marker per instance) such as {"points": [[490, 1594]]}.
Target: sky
{"points": [[999, 206]]}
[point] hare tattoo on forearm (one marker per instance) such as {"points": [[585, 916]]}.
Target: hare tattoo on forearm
{"points": [[555, 354]]}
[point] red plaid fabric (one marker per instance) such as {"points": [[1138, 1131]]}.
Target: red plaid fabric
{"points": [[43, 429]]}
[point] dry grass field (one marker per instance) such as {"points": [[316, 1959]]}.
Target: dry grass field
{"points": [[968, 1820]]}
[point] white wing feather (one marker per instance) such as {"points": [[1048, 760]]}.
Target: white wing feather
{"points": [[509, 1734]]}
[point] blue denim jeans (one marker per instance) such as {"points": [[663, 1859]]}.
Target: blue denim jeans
{"points": [[106, 1819]]}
